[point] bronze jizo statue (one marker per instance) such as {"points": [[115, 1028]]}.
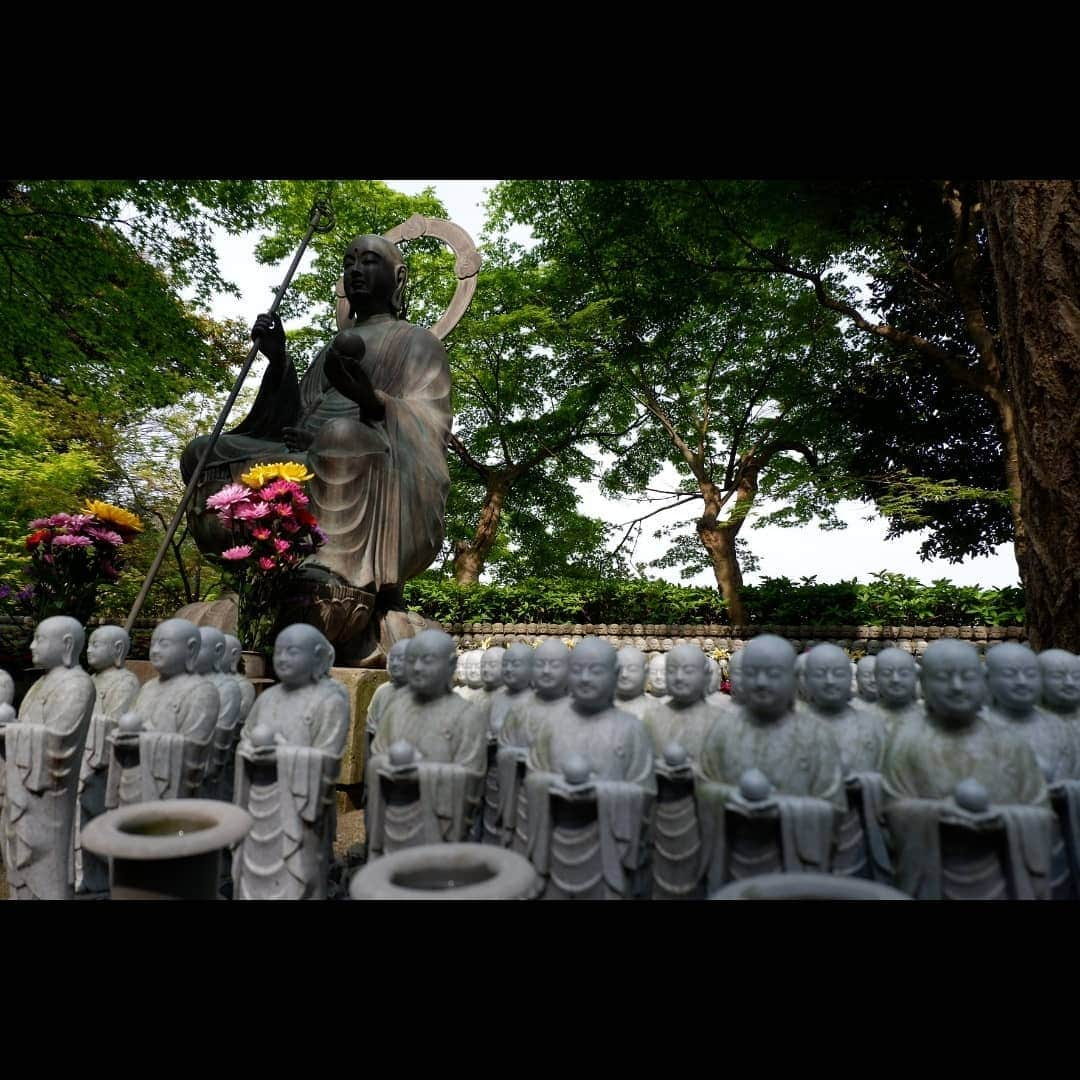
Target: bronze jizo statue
{"points": [[370, 419], [966, 801]]}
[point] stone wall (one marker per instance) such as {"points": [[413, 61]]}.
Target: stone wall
{"points": [[651, 637]]}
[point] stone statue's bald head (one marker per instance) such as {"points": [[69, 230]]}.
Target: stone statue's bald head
{"points": [[592, 674], [686, 672], [1013, 677], [1060, 679], [57, 642], [108, 647], [631, 666], [828, 677], [551, 666], [211, 650], [953, 681], [395, 661], [429, 663], [517, 667], [7, 688], [895, 676], [768, 676]]}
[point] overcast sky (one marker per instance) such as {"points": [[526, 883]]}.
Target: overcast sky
{"points": [[857, 551]]}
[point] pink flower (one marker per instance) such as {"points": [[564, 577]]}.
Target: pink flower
{"points": [[241, 551], [290, 525], [260, 533], [283, 509], [39, 523], [67, 540], [106, 536], [284, 489], [266, 564], [227, 496], [252, 511], [281, 546]]}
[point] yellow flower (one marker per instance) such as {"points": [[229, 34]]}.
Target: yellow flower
{"points": [[122, 519], [258, 475], [486, 643]]}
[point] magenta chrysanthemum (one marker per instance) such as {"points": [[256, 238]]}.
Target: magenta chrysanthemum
{"points": [[227, 496], [260, 532], [106, 536], [252, 511], [282, 546], [266, 563], [241, 551], [67, 540], [283, 509]]}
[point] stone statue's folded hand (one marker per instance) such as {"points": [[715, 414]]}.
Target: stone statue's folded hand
{"points": [[297, 438], [269, 335], [346, 374]]}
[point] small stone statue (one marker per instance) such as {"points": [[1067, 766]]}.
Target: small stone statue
{"points": [[1014, 678], [233, 652], [1061, 686], [678, 728], [287, 765], [7, 715], [471, 670], [896, 678], [782, 820], [966, 801], [384, 694], [517, 672], [218, 783], [590, 788], [630, 693], [43, 750], [714, 696], [657, 674], [116, 690], [551, 668], [861, 849], [800, 677], [161, 748], [866, 679], [427, 764]]}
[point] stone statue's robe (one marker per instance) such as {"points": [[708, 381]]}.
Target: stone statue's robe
{"points": [[116, 689], [503, 701], [637, 705], [179, 717], [380, 487], [520, 727], [861, 848], [218, 783], [44, 749], [794, 832], [937, 855], [440, 802], [287, 854], [676, 852], [595, 849]]}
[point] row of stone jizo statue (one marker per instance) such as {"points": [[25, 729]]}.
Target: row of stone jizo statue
{"points": [[609, 791], [83, 744], [613, 791]]}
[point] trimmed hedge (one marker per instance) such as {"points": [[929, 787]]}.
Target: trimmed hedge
{"points": [[889, 599]]}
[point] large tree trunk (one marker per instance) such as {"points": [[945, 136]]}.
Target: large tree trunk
{"points": [[1034, 234], [470, 555], [719, 541]]}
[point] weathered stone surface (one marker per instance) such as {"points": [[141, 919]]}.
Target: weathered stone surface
{"points": [[361, 684]]}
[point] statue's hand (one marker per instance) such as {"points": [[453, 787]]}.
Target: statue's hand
{"points": [[297, 438], [269, 335], [349, 378]]}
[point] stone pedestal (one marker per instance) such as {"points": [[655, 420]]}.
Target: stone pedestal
{"points": [[361, 684]]}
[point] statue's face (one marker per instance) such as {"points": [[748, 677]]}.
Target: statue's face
{"points": [[395, 664], [865, 677], [48, 647], [828, 678], [686, 674], [474, 669], [767, 677], [169, 649], [1060, 679], [953, 682], [1013, 676], [427, 667], [550, 669], [592, 678], [101, 649], [367, 271], [296, 662], [517, 668], [895, 677], [491, 668], [658, 675], [631, 674]]}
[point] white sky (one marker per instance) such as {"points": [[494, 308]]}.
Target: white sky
{"points": [[854, 552]]}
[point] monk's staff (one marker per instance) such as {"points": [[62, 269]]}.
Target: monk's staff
{"points": [[321, 220]]}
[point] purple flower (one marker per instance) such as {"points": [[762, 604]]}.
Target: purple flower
{"points": [[25, 594], [241, 551], [106, 536], [5, 591], [67, 540]]}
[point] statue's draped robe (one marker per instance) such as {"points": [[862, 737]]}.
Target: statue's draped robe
{"points": [[1058, 759], [179, 716], [116, 690], [519, 729], [596, 850], [382, 697], [861, 848], [503, 701], [287, 854], [637, 705], [44, 748], [801, 760], [676, 849], [218, 782], [380, 487], [923, 765], [450, 738], [247, 694]]}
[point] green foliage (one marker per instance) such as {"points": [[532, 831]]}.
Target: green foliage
{"points": [[888, 599]]}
